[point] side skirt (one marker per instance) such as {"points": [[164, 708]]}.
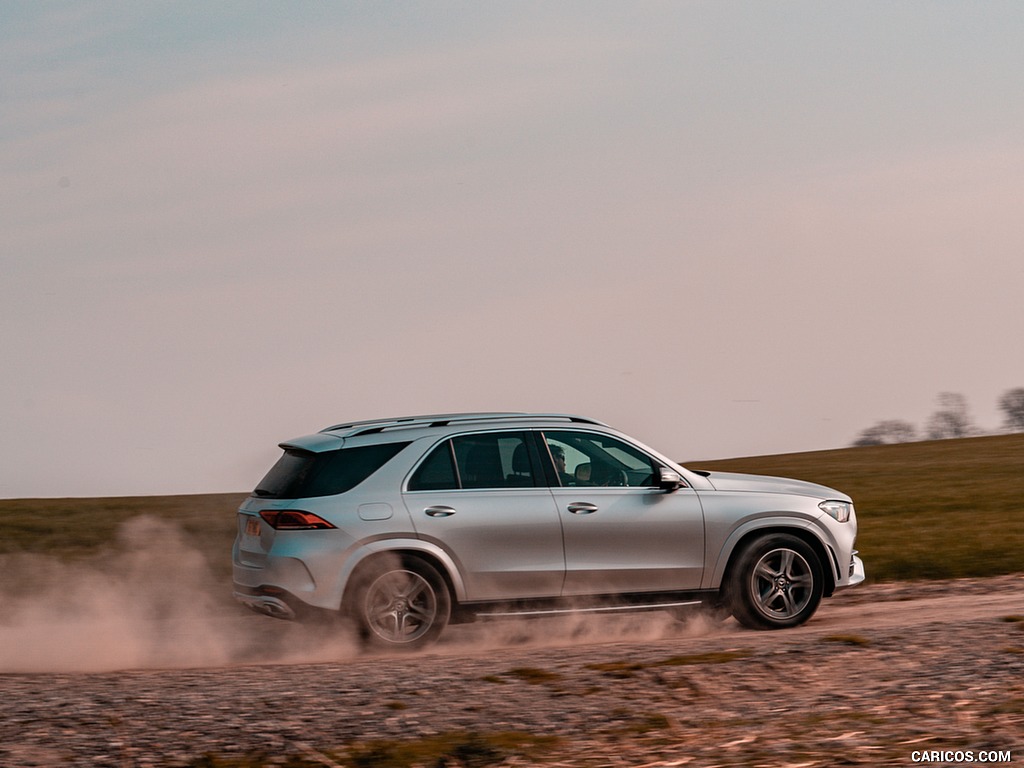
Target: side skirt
{"points": [[661, 601]]}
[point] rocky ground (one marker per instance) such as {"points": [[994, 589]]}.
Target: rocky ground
{"points": [[881, 674]]}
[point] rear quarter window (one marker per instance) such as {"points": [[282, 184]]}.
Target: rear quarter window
{"points": [[302, 474]]}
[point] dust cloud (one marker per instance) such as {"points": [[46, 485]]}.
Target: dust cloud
{"points": [[575, 629], [150, 601]]}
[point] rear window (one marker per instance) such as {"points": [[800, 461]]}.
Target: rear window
{"points": [[301, 474]]}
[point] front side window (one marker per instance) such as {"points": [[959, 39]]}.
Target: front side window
{"points": [[301, 474], [490, 460], [589, 459]]}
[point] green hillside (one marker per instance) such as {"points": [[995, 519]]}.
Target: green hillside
{"points": [[941, 509]]}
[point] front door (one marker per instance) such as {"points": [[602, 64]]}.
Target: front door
{"points": [[622, 533]]}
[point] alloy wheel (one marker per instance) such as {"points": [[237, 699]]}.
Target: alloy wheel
{"points": [[781, 583], [401, 607]]}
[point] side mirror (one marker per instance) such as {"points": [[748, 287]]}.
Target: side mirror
{"points": [[669, 480]]}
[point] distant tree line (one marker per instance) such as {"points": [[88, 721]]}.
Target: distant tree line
{"points": [[950, 420]]}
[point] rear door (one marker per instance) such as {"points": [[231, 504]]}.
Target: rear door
{"points": [[479, 496]]}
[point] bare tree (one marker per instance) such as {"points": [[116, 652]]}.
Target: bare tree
{"points": [[1012, 404], [952, 419], [890, 431]]}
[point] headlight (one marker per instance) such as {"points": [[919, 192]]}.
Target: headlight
{"points": [[840, 510]]}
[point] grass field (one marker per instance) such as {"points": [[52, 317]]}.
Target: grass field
{"points": [[930, 510]]}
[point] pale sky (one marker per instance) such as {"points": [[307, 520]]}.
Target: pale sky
{"points": [[726, 228]]}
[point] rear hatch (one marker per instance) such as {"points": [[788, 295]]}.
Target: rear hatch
{"points": [[310, 468]]}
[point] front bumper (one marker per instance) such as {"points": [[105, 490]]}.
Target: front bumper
{"points": [[856, 573]]}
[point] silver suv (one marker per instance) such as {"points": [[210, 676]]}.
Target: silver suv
{"points": [[405, 525]]}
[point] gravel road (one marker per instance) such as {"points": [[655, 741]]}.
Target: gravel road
{"points": [[881, 674]]}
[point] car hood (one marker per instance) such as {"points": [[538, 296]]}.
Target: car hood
{"points": [[731, 481]]}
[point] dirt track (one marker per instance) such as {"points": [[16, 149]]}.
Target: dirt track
{"points": [[880, 673]]}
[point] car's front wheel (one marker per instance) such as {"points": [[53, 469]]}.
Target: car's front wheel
{"points": [[400, 603], [777, 582]]}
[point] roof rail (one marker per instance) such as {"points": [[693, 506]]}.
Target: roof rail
{"points": [[443, 419], [417, 420]]}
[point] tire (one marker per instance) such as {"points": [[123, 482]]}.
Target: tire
{"points": [[776, 583], [399, 603]]}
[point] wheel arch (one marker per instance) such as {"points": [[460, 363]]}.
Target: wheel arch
{"points": [[435, 557], [741, 538]]}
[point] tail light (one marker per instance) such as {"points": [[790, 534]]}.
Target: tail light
{"points": [[294, 520]]}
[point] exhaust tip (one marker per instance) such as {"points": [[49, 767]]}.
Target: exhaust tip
{"points": [[267, 605]]}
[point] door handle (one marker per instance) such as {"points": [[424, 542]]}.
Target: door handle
{"points": [[439, 511], [582, 508]]}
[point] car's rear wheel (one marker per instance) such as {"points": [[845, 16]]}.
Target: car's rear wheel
{"points": [[776, 583], [400, 603]]}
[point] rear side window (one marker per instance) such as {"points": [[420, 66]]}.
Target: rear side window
{"points": [[489, 460], [301, 474], [500, 460]]}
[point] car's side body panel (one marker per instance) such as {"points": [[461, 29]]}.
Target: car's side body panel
{"points": [[507, 543], [625, 540]]}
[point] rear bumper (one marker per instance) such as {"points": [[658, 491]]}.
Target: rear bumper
{"points": [[270, 601]]}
